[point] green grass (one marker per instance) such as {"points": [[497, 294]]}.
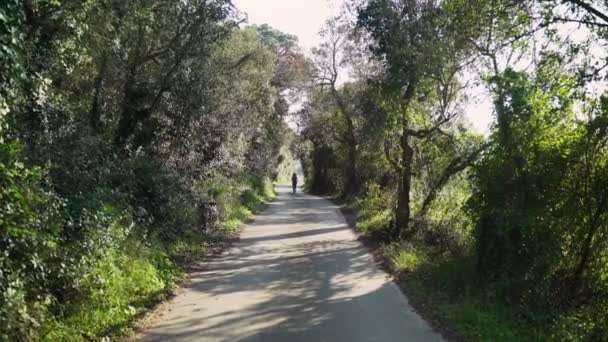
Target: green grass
{"points": [[121, 284], [403, 257], [479, 312], [368, 223], [447, 284], [473, 312], [118, 288]]}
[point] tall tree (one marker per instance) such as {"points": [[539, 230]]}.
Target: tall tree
{"points": [[421, 59], [331, 61]]}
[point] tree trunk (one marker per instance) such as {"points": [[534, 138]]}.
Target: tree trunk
{"points": [[95, 119], [402, 215], [352, 186], [128, 121], [457, 165], [321, 183], [587, 244], [351, 181], [131, 95]]}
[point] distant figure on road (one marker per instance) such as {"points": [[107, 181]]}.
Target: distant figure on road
{"points": [[294, 182]]}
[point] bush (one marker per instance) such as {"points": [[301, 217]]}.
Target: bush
{"points": [[404, 257], [236, 197], [69, 271], [374, 212], [116, 287], [162, 205], [91, 268], [30, 224]]}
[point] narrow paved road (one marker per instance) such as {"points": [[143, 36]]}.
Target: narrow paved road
{"points": [[297, 274]]}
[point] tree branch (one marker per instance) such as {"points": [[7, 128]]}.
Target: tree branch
{"points": [[423, 133], [590, 9], [387, 154], [581, 21], [457, 165]]}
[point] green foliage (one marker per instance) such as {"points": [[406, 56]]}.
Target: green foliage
{"points": [[515, 224], [59, 289], [236, 198], [404, 257], [160, 202], [11, 59], [374, 214], [113, 150], [478, 312], [99, 284], [523, 181], [115, 289], [30, 223]]}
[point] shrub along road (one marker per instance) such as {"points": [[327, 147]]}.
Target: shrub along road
{"points": [[297, 274]]}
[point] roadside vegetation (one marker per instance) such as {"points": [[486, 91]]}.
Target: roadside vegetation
{"points": [[135, 137], [501, 237]]}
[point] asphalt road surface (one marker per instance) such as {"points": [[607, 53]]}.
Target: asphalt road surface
{"points": [[297, 274]]}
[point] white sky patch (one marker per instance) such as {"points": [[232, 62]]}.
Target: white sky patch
{"points": [[478, 109], [303, 19]]}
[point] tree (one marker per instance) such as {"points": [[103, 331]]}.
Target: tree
{"points": [[11, 69], [123, 124], [160, 52], [291, 66], [331, 58], [421, 60]]}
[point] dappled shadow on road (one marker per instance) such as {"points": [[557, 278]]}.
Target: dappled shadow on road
{"points": [[308, 280], [293, 235], [287, 318], [299, 209], [312, 264], [306, 294]]}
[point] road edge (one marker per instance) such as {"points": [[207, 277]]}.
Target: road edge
{"points": [[156, 312], [418, 302]]}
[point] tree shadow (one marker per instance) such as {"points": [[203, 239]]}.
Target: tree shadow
{"points": [[314, 282]]}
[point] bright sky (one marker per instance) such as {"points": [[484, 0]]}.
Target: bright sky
{"points": [[301, 18], [306, 18]]}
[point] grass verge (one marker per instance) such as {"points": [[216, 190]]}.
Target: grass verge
{"points": [[446, 292], [127, 281]]}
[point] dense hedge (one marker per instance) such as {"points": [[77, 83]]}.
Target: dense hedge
{"points": [[133, 137]]}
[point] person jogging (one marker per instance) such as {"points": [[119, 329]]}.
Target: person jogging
{"points": [[294, 182]]}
